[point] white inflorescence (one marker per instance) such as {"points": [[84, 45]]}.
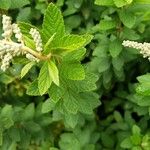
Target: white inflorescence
{"points": [[6, 61], [7, 27], [143, 47], [10, 49], [17, 32], [37, 39]]}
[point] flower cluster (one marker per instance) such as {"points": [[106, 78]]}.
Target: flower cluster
{"points": [[10, 49], [17, 32], [143, 47], [7, 27], [37, 39]]}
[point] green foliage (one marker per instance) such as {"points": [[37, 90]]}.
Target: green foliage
{"points": [[92, 93]]}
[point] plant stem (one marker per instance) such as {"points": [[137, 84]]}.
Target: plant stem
{"points": [[29, 50]]}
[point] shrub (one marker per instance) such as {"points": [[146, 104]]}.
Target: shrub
{"points": [[67, 81]]}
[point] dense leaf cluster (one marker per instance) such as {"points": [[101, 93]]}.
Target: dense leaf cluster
{"points": [[92, 93]]}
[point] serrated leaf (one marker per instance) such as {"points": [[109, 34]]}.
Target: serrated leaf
{"points": [[68, 43], [73, 71], [33, 89], [53, 72], [53, 23], [87, 102], [26, 68], [115, 48], [44, 79], [75, 55]]}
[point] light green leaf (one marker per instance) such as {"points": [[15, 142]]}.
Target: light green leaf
{"points": [[75, 55], [68, 43], [44, 79], [136, 130], [73, 71], [26, 68], [53, 23], [126, 143], [120, 3], [142, 1], [53, 72], [47, 45], [104, 2]]}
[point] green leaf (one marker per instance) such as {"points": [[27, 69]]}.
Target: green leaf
{"points": [[24, 14], [18, 4], [32, 126], [142, 1], [127, 18], [71, 119], [87, 102], [68, 43], [47, 106], [5, 4], [73, 71], [6, 79], [69, 141], [47, 45], [107, 24], [28, 112], [84, 102], [1, 136], [104, 2], [120, 3], [136, 139], [136, 130], [115, 48], [126, 143], [75, 55], [53, 23], [53, 72], [44, 79], [33, 89], [26, 68]]}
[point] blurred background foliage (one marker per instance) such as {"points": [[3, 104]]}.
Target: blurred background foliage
{"points": [[123, 119]]}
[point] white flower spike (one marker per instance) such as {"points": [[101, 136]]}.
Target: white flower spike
{"points": [[10, 49], [143, 47], [37, 39], [7, 27]]}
